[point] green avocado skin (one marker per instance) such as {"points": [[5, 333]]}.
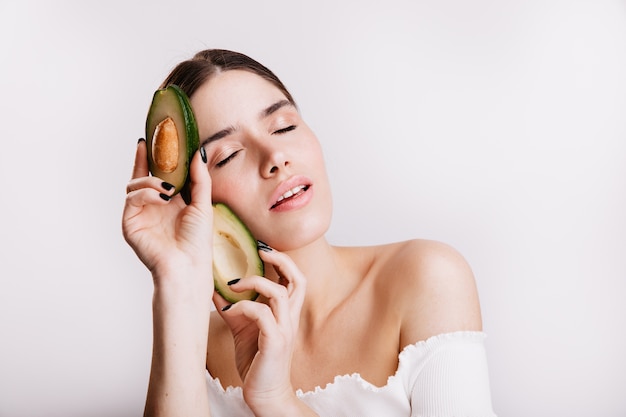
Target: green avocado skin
{"points": [[233, 300], [226, 223], [172, 101]]}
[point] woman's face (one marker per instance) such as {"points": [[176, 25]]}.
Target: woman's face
{"points": [[265, 162]]}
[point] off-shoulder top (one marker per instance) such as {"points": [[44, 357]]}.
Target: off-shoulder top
{"points": [[443, 376]]}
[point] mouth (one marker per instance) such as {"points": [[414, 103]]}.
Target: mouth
{"points": [[290, 194]]}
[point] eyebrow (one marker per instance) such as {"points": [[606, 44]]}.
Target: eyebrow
{"points": [[219, 135], [275, 107], [265, 113]]}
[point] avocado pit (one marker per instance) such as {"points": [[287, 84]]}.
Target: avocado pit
{"points": [[165, 145]]}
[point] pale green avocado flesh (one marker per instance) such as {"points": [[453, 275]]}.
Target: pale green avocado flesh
{"points": [[235, 253], [171, 148]]}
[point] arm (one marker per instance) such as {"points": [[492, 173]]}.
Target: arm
{"points": [[173, 240], [177, 378]]}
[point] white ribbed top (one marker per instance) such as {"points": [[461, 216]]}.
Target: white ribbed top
{"points": [[444, 376]]}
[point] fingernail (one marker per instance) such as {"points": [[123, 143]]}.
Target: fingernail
{"points": [[226, 307], [203, 154], [140, 140], [166, 186], [263, 246], [233, 281], [164, 196]]}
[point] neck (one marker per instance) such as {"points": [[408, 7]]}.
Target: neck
{"points": [[327, 284]]}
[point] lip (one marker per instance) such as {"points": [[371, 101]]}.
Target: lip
{"points": [[294, 202]]}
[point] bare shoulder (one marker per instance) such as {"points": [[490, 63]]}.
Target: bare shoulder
{"points": [[432, 286]]}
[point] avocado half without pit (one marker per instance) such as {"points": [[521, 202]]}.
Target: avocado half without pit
{"points": [[172, 139], [235, 253]]}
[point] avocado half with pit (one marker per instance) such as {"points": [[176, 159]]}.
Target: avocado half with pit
{"points": [[235, 253], [171, 136]]}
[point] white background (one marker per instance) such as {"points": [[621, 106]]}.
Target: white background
{"points": [[496, 126]]}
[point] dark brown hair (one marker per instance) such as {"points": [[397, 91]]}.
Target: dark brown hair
{"points": [[189, 75]]}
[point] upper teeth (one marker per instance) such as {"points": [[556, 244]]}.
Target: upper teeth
{"points": [[291, 192]]}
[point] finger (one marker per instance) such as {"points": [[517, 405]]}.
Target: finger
{"points": [[149, 182], [219, 301], [260, 314], [135, 204], [277, 295], [140, 168], [200, 182], [287, 271], [145, 196]]}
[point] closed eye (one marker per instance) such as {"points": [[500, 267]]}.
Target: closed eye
{"points": [[226, 160], [284, 130]]}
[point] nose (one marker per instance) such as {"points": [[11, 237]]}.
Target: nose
{"points": [[274, 162]]}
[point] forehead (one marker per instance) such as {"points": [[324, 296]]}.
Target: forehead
{"points": [[232, 97]]}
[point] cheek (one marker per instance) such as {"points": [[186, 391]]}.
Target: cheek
{"points": [[317, 160], [227, 189], [314, 150], [239, 193]]}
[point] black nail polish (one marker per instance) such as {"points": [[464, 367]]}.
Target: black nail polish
{"points": [[140, 140], [164, 196], [226, 307], [166, 186], [203, 154], [233, 281], [263, 246]]}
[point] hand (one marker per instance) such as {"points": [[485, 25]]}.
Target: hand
{"points": [[165, 233], [265, 333]]}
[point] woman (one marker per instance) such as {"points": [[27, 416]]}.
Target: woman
{"points": [[389, 330]]}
